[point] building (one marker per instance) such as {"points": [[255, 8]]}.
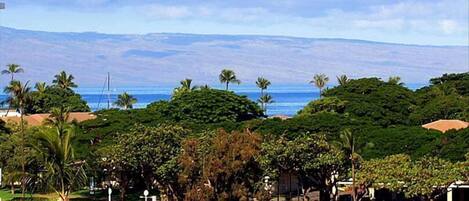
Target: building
{"points": [[38, 119], [444, 125]]}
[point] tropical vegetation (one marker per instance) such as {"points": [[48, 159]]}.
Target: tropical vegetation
{"points": [[210, 144]]}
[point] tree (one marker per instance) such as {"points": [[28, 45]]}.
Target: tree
{"points": [[186, 86], [211, 106], [379, 102], [320, 80], [125, 101], [54, 145], [222, 167], [395, 80], [13, 69], [347, 143], [326, 104], [263, 84], [228, 76], [64, 81], [147, 151], [55, 97], [427, 178], [40, 87], [342, 80], [20, 95], [264, 100], [309, 156]]}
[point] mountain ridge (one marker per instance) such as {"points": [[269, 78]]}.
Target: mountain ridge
{"points": [[166, 58]]}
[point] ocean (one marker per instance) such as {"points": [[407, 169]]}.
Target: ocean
{"points": [[288, 99]]}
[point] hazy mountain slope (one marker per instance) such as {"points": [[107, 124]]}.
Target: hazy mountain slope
{"points": [[167, 58]]}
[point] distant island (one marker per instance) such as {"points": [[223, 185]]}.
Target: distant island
{"points": [[162, 58]]}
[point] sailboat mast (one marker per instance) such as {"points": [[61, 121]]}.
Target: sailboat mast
{"points": [[108, 90]]}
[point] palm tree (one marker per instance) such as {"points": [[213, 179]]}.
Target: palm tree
{"points": [[40, 87], [125, 101], [186, 86], [227, 77], [19, 97], [264, 100], [58, 118], [64, 81], [262, 83], [395, 80], [12, 69], [347, 143], [342, 80], [56, 155], [320, 80]]}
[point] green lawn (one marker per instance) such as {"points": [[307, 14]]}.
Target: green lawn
{"points": [[5, 195]]}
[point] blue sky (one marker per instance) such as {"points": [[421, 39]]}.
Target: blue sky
{"points": [[434, 22]]}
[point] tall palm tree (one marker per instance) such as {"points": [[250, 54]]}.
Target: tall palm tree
{"points": [[228, 76], [64, 81], [40, 87], [125, 101], [342, 80], [19, 97], [263, 84], [13, 69], [347, 143], [320, 80], [56, 155], [395, 80], [264, 100]]}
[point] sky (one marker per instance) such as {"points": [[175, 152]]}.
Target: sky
{"points": [[425, 22]]}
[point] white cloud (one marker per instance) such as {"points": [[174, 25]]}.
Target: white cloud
{"points": [[167, 12], [448, 26]]}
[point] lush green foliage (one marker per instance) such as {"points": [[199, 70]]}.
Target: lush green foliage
{"points": [[147, 151], [209, 106], [380, 102], [309, 157], [52, 96], [414, 141], [426, 178], [326, 104]]}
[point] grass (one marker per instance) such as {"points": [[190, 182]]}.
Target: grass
{"points": [[5, 195]]}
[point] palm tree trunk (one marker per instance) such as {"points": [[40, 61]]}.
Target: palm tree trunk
{"points": [[226, 87], [320, 92]]}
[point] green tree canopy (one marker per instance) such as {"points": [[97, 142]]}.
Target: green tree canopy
{"points": [[56, 97], [379, 102], [210, 106], [426, 178], [326, 104], [308, 156]]}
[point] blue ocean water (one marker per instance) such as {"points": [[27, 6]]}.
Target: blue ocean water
{"points": [[288, 99]]}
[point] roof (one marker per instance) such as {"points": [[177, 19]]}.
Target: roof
{"points": [[444, 125], [38, 119], [280, 116]]}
